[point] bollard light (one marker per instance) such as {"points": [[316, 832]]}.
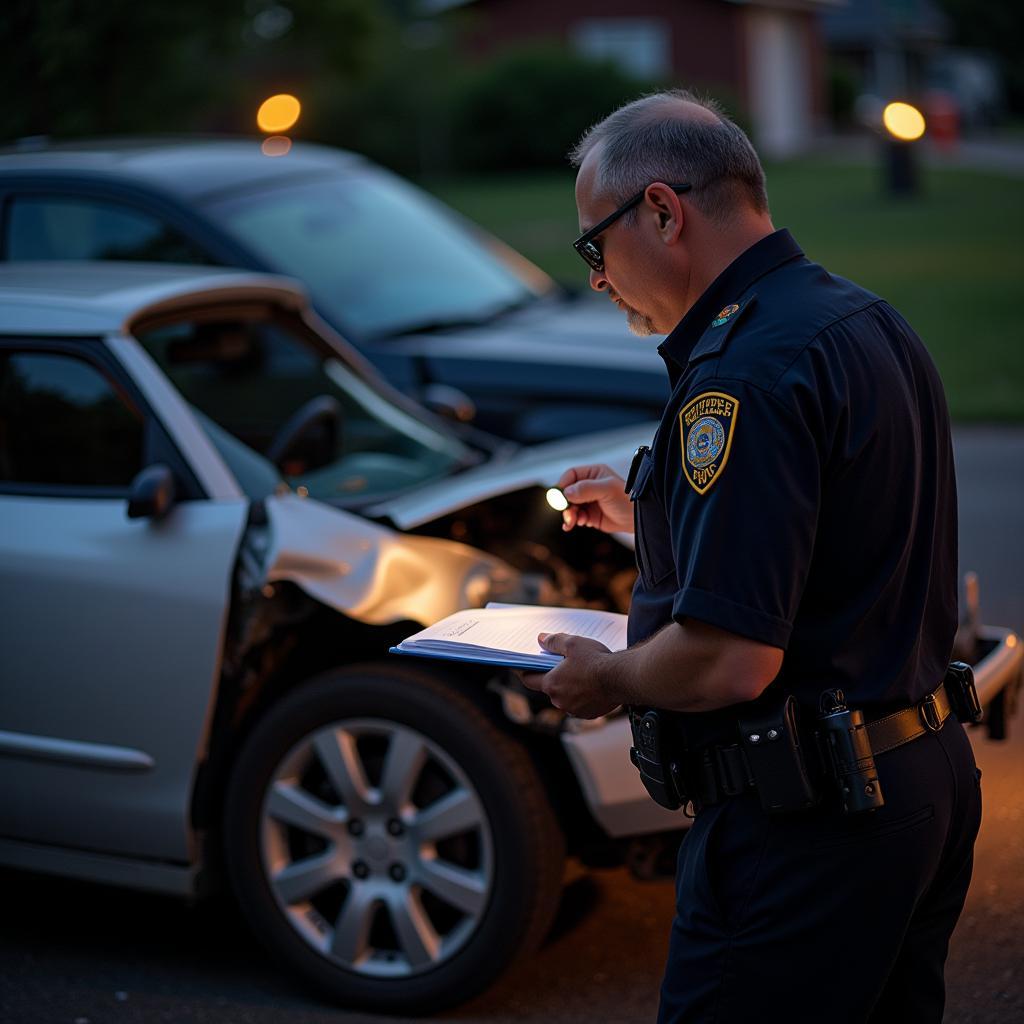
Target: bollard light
{"points": [[903, 122], [278, 113], [904, 126]]}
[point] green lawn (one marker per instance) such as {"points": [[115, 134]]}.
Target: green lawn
{"points": [[952, 261]]}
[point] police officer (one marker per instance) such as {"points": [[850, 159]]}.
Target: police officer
{"points": [[795, 527]]}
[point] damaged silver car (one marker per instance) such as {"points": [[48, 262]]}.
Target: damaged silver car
{"points": [[195, 681]]}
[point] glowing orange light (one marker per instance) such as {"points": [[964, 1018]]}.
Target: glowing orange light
{"points": [[903, 121], [276, 145], [1011, 641], [278, 113]]}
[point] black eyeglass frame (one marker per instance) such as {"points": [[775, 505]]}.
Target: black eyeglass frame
{"points": [[585, 245]]}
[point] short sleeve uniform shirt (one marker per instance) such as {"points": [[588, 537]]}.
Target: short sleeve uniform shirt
{"points": [[800, 488]]}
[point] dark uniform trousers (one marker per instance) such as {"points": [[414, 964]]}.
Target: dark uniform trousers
{"points": [[824, 917]]}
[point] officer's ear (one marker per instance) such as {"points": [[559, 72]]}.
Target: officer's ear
{"points": [[668, 210]]}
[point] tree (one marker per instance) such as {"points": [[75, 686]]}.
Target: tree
{"points": [[118, 66]]}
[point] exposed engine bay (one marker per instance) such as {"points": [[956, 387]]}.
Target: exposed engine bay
{"points": [[582, 568]]}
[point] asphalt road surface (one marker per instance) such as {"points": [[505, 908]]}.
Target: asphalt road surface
{"points": [[73, 953]]}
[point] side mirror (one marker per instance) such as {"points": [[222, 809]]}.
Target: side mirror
{"points": [[449, 402], [152, 493]]}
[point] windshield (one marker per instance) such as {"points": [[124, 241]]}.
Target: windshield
{"points": [[378, 257], [322, 426]]}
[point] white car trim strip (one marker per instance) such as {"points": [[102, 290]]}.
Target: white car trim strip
{"points": [[92, 755]]}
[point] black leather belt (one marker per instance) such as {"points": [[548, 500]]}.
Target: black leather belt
{"points": [[901, 727], [720, 771]]}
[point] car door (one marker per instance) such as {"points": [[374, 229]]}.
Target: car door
{"points": [[111, 627]]}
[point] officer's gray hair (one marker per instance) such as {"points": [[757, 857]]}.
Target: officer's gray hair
{"points": [[653, 139]]}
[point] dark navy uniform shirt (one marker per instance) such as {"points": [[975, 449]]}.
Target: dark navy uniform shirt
{"points": [[800, 488]]}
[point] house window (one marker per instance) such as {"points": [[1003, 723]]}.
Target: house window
{"points": [[640, 46]]}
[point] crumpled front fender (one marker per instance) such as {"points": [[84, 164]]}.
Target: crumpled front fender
{"points": [[371, 573]]}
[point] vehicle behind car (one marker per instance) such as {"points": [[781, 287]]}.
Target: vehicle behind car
{"points": [[447, 313]]}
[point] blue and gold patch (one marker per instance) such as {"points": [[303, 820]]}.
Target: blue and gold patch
{"points": [[706, 425]]}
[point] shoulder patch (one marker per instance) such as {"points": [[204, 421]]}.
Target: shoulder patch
{"points": [[706, 426]]}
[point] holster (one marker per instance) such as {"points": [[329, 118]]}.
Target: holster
{"points": [[660, 771], [963, 694]]}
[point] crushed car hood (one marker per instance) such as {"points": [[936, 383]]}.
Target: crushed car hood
{"points": [[538, 465], [371, 573]]}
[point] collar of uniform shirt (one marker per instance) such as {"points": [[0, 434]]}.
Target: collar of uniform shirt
{"points": [[761, 258]]}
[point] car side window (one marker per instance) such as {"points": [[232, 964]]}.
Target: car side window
{"points": [[63, 424], [259, 379], [66, 228]]}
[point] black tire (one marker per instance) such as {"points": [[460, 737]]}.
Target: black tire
{"points": [[522, 862]]}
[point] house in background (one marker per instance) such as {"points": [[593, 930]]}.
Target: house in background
{"points": [[767, 55]]}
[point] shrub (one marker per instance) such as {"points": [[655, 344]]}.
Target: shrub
{"points": [[527, 107]]}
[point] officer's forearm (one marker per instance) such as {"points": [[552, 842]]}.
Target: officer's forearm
{"points": [[691, 667]]}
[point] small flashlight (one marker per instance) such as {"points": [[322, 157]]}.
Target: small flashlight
{"points": [[556, 499]]}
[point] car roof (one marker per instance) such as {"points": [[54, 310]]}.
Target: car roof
{"points": [[47, 298], [187, 167]]}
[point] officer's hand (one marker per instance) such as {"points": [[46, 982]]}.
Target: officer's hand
{"points": [[596, 498], [573, 685]]}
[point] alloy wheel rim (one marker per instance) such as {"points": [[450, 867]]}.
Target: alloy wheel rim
{"points": [[376, 847]]}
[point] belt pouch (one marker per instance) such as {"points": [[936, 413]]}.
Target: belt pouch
{"points": [[962, 693], [776, 758], [651, 759]]}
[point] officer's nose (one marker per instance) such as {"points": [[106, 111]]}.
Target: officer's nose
{"points": [[598, 281]]}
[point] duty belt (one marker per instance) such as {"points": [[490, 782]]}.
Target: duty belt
{"points": [[723, 770]]}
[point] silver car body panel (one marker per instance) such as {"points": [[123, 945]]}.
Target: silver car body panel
{"points": [[111, 631], [49, 297], [108, 869]]}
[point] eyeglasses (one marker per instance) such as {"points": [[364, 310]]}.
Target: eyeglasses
{"points": [[589, 250]]}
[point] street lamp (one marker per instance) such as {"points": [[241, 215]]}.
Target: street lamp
{"points": [[904, 125], [277, 114]]}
